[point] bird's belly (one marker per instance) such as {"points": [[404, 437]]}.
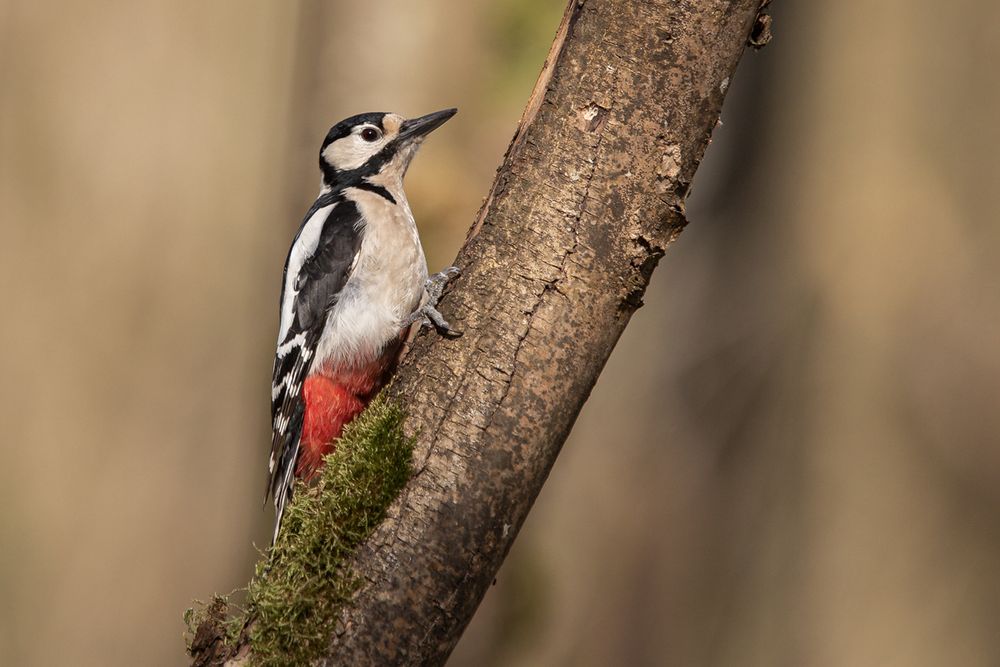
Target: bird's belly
{"points": [[384, 289]]}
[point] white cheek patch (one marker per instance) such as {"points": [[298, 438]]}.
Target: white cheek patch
{"points": [[350, 152]]}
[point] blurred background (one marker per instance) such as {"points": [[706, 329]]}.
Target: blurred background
{"points": [[791, 459]]}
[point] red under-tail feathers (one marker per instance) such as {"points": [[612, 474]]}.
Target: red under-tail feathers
{"points": [[334, 397]]}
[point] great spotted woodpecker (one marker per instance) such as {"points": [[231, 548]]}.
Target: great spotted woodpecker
{"points": [[355, 279]]}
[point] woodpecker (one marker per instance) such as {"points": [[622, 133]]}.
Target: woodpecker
{"points": [[355, 279]]}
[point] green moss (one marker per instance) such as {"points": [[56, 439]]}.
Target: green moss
{"points": [[296, 594]]}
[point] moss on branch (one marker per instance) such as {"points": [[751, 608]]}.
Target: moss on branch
{"points": [[294, 598]]}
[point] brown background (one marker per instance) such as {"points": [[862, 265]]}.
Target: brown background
{"points": [[791, 458]]}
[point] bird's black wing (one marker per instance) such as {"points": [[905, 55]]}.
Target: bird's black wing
{"points": [[319, 274]]}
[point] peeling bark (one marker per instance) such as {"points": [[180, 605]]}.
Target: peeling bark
{"points": [[590, 194]]}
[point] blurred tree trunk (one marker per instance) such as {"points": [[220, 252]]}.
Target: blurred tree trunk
{"points": [[590, 194]]}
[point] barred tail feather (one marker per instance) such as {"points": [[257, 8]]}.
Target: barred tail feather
{"points": [[283, 494]]}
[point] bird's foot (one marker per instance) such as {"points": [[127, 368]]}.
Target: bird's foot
{"points": [[428, 313]]}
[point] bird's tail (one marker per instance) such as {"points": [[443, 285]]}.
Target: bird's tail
{"points": [[329, 406]]}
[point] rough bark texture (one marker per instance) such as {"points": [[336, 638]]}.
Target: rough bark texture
{"points": [[590, 194]]}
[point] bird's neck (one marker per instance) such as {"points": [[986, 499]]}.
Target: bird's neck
{"points": [[388, 184], [390, 181]]}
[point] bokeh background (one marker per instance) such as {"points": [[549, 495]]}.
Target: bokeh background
{"points": [[791, 459]]}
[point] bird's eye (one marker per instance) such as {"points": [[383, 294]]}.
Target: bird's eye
{"points": [[370, 134]]}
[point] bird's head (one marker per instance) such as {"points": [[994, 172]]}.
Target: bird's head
{"points": [[374, 146]]}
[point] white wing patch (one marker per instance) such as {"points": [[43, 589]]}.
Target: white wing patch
{"points": [[303, 248]]}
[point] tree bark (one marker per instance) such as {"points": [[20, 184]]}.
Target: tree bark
{"points": [[590, 194]]}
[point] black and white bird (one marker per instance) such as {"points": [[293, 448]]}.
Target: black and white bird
{"points": [[355, 279]]}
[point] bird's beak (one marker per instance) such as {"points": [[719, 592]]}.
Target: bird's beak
{"points": [[419, 127]]}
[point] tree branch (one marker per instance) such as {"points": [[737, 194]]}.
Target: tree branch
{"points": [[590, 194]]}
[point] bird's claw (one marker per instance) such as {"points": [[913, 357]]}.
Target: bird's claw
{"points": [[435, 284], [428, 313], [433, 317]]}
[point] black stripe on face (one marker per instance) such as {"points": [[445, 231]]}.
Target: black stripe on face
{"points": [[343, 129], [343, 178], [338, 179]]}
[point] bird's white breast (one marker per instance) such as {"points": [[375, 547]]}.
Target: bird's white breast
{"points": [[385, 286]]}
